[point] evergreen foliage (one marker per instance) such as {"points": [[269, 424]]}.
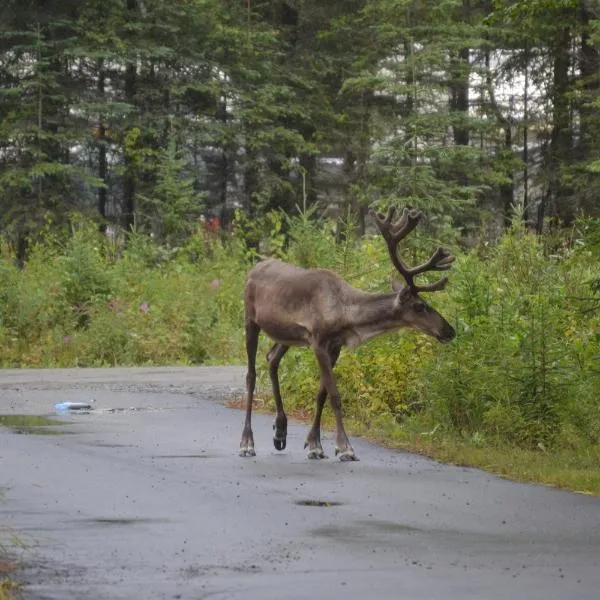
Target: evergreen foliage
{"points": [[464, 108]]}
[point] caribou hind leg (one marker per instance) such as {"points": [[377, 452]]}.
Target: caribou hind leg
{"points": [[313, 439], [276, 353], [343, 449], [247, 442]]}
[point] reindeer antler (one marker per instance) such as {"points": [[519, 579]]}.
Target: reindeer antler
{"points": [[394, 233]]}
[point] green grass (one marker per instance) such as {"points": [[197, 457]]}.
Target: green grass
{"points": [[9, 589], [561, 469], [578, 471], [31, 424]]}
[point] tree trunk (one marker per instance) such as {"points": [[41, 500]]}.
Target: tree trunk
{"points": [[587, 146], [527, 213], [459, 87], [250, 180], [460, 100], [590, 77], [561, 139], [129, 179], [507, 190], [223, 161], [101, 137], [309, 165], [21, 250]]}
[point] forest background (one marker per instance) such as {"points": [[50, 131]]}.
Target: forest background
{"points": [[150, 149]]}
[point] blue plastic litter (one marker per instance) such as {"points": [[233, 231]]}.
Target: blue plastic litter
{"points": [[66, 407]]}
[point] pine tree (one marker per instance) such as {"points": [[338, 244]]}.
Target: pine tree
{"points": [[422, 126], [39, 180]]}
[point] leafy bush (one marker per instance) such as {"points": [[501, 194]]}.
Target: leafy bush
{"points": [[79, 301], [524, 366]]}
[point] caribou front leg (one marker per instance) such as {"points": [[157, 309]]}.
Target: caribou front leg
{"points": [[343, 449], [276, 353], [313, 439], [247, 442]]}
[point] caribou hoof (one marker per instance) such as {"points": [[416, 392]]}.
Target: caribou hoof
{"points": [[346, 455], [280, 429], [247, 451], [315, 454]]}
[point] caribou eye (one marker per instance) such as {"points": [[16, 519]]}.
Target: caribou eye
{"points": [[420, 307]]}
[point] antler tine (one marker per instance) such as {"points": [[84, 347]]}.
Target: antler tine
{"points": [[384, 221], [393, 233], [432, 287], [407, 222], [401, 228], [440, 260]]}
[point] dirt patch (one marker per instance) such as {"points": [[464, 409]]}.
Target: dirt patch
{"points": [[7, 567], [9, 590], [194, 571], [107, 445], [260, 403]]}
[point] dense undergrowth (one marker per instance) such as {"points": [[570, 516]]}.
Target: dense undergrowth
{"points": [[522, 376], [518, 391]]}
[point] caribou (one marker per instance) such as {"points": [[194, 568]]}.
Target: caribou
{"points": [[317, 308]]}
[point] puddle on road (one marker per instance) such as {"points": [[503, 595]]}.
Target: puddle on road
{"points": [[7, 567], [160, 456], [389, 526], [388, 532], [318, 503], [111, 521], [364, 531], [108, 445], [33, 424], [203, 570]]}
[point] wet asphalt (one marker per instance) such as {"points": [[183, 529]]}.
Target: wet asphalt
{"points": [[146, 498]]}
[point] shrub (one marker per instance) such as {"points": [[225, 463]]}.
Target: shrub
{"points": [[522, 370]]}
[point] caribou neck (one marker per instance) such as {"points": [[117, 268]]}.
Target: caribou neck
{"points": [[370, 315]]}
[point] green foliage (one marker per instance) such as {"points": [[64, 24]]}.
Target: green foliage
{"points": [[174, 205], [149, 113], [85, 279], [309, 245], [261, 235], [523, 369], [83, 302], [36, 177]]}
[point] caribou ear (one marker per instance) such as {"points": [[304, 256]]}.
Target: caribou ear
{"points": [[403, 295], [397, 286]]}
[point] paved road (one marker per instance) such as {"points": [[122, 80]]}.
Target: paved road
{"points": [[154, 503]]}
